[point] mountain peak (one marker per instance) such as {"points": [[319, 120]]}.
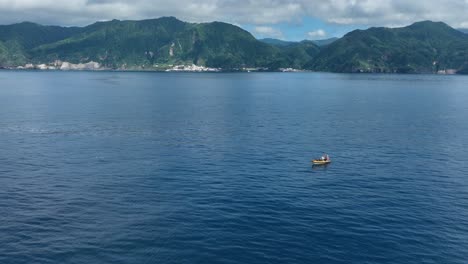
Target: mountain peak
{"points": [[29, 23], [435, 28], [429, 23], [168, 19]]}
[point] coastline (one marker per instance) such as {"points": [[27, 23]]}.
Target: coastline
{"points": [[223, 71], [94, 66]]}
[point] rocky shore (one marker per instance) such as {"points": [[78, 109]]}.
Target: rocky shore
{"points": [[61, 65]]}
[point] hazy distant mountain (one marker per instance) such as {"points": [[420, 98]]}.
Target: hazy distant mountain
{"points": [[324, 42], [464, 30], [147, 44], [277, 42], [284, 43]]}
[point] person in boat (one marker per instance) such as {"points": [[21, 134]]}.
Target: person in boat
{"points": [[327, 158]]}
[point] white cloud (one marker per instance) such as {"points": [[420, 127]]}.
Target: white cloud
{"points": [[268, 32], [257, 12], [80, 12], [389, 13], [317, 34]]}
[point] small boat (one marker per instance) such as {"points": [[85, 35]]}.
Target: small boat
{"points": [[320, 162]]}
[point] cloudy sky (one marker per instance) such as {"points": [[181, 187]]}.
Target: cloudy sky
{"points": [[284, 19]]}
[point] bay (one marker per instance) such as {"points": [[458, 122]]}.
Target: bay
{"points": [[129, 167]]}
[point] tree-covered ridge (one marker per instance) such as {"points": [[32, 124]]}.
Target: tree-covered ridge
{"points": [[17, 39], [146, 43], [422, 47], [155, 43]]}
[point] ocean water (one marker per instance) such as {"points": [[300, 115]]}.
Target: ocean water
{"points": [[109, 167]]}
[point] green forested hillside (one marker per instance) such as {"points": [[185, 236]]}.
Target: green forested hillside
{"points": [[423, 47], [151, 44], [296, 55], [18, 39], [126, 44]]}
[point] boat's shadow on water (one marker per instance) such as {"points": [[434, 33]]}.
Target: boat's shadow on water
{"points": [[322, 167]]}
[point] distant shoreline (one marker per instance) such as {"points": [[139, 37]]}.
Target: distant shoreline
{"points": [[152, 70], [228, 71], [94, 66]]}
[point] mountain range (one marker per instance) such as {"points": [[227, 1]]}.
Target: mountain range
{"points": [[155, 44]]}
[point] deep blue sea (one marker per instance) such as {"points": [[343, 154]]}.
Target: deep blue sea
{"points": [[120, 167]]}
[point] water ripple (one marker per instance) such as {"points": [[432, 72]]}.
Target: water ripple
{"points": [[163, 168]]}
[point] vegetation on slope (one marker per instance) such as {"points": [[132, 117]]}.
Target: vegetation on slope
{"points": [[423, 47], [147, 44]]}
